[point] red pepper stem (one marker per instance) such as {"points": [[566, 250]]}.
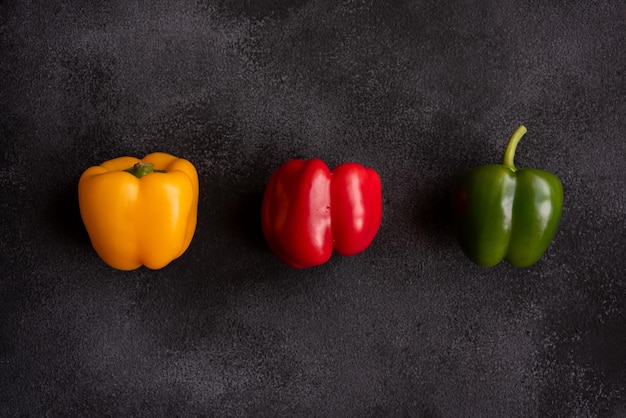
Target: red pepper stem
{"points": [[141, 169], [509, 153]]}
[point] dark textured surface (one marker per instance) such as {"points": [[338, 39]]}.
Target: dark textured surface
{"points": [[418, 90]]}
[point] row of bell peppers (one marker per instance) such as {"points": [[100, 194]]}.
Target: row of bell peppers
{"points": [[144, 211]]}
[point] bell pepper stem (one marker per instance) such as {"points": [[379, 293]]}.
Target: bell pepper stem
{"points": [[141, 169], [509, 153]]}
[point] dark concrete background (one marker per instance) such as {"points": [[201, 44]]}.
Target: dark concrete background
{"points": [[418, 90]]}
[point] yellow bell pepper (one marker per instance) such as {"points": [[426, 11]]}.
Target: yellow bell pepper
{"points": [[140, 212]]}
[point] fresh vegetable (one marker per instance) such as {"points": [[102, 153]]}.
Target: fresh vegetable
{"points": [[140, 212], [308, 211], [502, 212]]}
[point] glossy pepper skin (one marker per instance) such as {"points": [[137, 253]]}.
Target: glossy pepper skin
{"points": [[140, 212], [308, 211], [502, 212]]}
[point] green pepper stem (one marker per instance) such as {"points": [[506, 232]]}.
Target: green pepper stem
{"points": [[509, 153], [141, 169]]}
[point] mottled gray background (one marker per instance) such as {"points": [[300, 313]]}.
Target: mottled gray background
{"points": [[418, 90]]}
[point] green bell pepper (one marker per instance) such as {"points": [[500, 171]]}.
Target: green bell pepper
{"points": [[502, 212]]}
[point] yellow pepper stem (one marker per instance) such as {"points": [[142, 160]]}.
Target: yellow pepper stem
{"points": [[509, 153], [141, 169]]}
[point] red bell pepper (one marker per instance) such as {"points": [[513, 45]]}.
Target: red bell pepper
{"points": [[308, 211]]}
